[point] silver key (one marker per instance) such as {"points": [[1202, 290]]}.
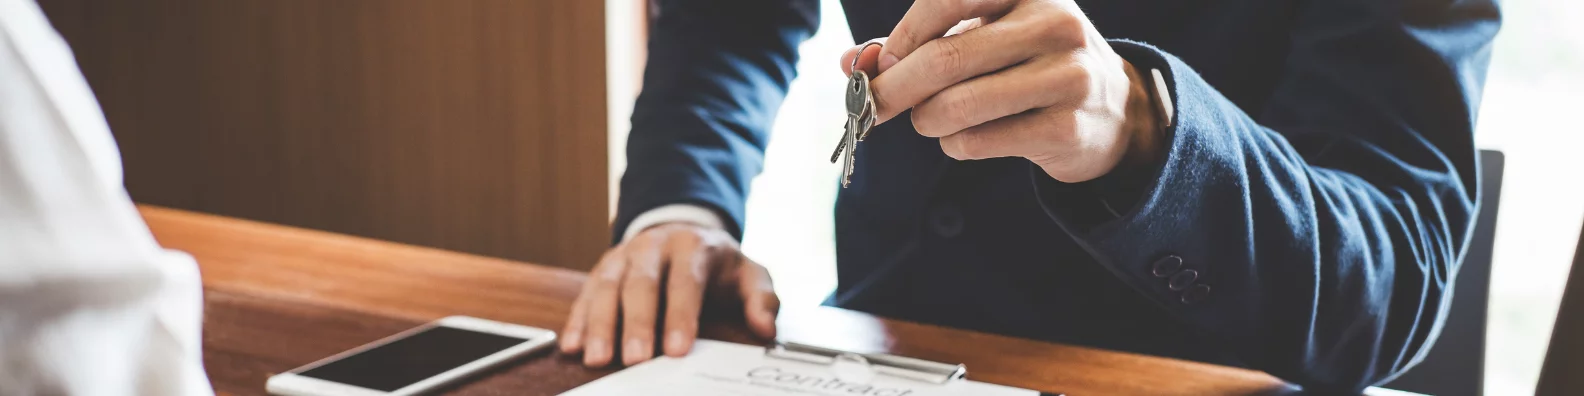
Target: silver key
{"points": [[867, 120], [860, 117], [857, 109]]}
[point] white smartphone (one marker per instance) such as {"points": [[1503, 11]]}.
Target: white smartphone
{"points": [[414, 361]]}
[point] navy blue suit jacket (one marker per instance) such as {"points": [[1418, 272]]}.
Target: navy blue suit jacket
{"points": [[1311, 209]]}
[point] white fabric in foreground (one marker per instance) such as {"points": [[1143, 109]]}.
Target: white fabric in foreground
{"points": [[89, 302]]}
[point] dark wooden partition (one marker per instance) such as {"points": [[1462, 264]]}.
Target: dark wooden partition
{"points": [[471, 125], [1564, 360]]}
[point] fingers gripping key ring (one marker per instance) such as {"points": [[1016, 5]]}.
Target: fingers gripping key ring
{"points": [[861, 50]]}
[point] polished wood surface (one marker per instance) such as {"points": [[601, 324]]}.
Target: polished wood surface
{"points": [[470, 125], [278, 297]]}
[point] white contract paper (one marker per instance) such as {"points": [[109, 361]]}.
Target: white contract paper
{"points": [[716, 368]]}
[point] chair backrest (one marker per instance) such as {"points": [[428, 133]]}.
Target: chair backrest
{"points": [[1460, 369], [1563, 373]]}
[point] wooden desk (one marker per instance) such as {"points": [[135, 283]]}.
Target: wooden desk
{"points": [[278, 297]]}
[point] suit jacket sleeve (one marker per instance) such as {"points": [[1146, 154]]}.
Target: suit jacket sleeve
{"points": [[717, 72], [1325, 230]]}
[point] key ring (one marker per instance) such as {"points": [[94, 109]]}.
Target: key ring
{"points": [[861, 50]]}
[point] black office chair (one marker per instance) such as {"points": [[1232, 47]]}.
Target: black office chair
{"points": [[1456, 363], [1563, 373]]}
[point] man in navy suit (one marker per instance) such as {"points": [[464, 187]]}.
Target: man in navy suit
{"points": [[1294, 198]]}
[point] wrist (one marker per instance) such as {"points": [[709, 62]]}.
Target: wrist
{"points": [[673, 213], [1143, 126]]}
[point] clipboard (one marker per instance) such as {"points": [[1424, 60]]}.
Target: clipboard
{"points": [[717, 368], [878, 363], [914, 369]]}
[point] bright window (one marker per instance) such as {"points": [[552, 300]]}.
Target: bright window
{"points": [[1531, 112]]}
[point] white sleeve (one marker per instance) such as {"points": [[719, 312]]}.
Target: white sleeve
{"points": [[673, 213], [89, 302]]}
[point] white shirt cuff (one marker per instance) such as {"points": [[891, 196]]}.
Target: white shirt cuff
{"points": [[673, 213]]}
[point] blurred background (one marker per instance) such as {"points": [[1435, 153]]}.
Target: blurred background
{"points": [[497, 127], [477, 126]]}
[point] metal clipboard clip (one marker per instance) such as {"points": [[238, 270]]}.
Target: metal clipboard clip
{"points": [[859, 366]]}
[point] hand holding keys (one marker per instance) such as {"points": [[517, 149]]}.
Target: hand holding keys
{"points": [[860, 117]]}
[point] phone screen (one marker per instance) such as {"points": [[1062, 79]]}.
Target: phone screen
{"points": [[408, 360]]}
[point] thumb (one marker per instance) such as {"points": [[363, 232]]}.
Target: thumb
{"points": [[760, 304]]}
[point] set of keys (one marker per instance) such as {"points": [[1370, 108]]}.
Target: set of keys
{"points": [[860, 117]]}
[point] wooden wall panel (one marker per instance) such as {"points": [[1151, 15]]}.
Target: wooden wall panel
{"points": [[472, 125]]}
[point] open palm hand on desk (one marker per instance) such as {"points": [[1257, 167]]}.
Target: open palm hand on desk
{"points": [[687, 262]]}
